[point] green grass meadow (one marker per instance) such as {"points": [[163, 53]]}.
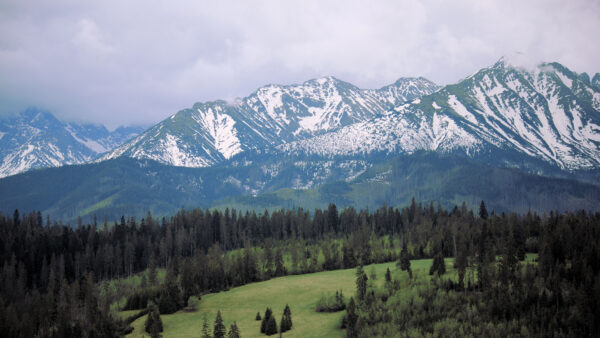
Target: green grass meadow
{"points": [[301, 292]]}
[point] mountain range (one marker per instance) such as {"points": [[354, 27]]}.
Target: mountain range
{"points": [[327, 140], [211, 132], [36, 139]]}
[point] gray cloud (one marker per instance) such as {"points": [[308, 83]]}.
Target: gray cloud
{"points": [[120, 62]]}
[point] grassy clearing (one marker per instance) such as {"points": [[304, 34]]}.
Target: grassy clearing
{"points": [[301, 292]]}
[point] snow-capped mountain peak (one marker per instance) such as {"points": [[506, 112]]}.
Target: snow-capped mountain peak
{"points": [[37, 139], [211, 132], [548, 113]]}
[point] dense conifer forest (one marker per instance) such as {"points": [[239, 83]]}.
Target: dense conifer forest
{"points": [[54, 278]]}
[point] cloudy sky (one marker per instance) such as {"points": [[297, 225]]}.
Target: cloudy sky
{"points": [[124, 61]]}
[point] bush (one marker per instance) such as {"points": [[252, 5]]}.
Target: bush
{"points": [[333, 303], [140, 298]]}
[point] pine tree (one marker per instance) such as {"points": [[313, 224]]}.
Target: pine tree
{"points": [[483, 214], [404, 261], [361, 283], [351, 318], [438, 265], [188, 283], [234, 332], [205, 329], [388, 276], [169, 300], [286, 319], [258, 316], [153, 323], [265, 320], [219, 330], [271, 327], [279, 266]]}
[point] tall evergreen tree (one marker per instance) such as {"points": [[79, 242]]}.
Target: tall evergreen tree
{"points": [[404, 261], [219, 329], [351, 318], [461, 259], [154, 323], [361, 283], [265, 320], [483, 214], [234, 332], [286, 320], [438, 266], [271, 327], [205, 329]]}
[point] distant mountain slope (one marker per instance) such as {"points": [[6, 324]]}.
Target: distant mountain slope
{"points": [[212, 132], [36, 139], [549, 113], [126, 186]]}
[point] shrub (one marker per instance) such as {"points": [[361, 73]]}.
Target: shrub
{"points": [[333, 303]]}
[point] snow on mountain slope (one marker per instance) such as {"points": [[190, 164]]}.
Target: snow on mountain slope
{"points": [[36, 139], [211, 132], [549, 113]]}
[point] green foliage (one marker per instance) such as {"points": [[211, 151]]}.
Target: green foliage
{"points": [[331, 303], [154, 324], [438, 266], [351, 319], [205, 329], [286, 320], [128, 186], [234, 331], [404, 261], [271, 326], [140, 299], [219, 329], [265, 320], [170, 299], [361, 283]]}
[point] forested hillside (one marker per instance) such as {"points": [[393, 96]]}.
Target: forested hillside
{"points": [[50, 272]]}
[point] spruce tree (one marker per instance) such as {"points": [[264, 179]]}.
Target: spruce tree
{"points": [[219, 330], [361, 283], [234, 332], [271, 327], [438, 265], [205, 329], [258, 316], [152, 273], [404, 262], [351, 317], [483, 214], [461, 260], [153, 323], [388, 276], [286, 319], [265, 320]]}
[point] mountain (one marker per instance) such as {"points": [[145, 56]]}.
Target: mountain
{"points": [[504, 114], [517, 138], [126, 186], [211, 132], [36, 139]]}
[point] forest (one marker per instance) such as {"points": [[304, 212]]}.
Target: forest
{"points": [[55, 279]]}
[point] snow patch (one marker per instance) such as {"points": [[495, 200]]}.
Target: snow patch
{"points": [[460, 109]]}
